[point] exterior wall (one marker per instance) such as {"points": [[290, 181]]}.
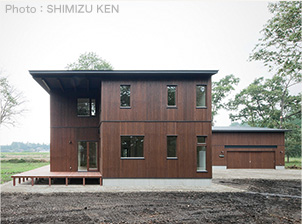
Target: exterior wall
{"points": [[150, 117], [66, 129], [252, 139]]}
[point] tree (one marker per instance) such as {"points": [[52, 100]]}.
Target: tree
{"points": [[11, 102], [90, 61], [258, 105], [221, 90], [280, 47]]}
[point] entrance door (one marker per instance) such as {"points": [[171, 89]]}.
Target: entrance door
{"points": [[87, 156]]}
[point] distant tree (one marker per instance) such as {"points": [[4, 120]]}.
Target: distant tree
{"points": [[11, 102], [220, 91], [258, 105], [90, 61]]}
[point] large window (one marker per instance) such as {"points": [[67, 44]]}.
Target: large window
{"points": [[201, 96], [171, 90], [132, 146], [86, 107], [201, 153], [125, 95], [171, 146]]}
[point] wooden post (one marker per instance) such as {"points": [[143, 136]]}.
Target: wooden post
{"points": [[100, 181], [66, 180], [14, 182], [23, 179], [19, 180], [32, 181], [49, 181], [83, 181]]}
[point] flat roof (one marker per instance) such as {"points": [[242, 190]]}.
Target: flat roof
{"points": [[73, 79], [245, 129]]}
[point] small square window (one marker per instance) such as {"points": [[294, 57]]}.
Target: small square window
{"points": [[83, 107], [201, 139]]}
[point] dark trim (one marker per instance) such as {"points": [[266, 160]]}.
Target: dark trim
{"points": [[132, 158], [249, 146], [152, 121]]}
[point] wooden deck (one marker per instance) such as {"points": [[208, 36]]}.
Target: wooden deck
{"points": [[44, 172]]}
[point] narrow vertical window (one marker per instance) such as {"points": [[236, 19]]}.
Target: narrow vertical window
{"points": [[171, 96], [125, 95], [93, 107], [200, 96], [201, 153], [171, 146]]}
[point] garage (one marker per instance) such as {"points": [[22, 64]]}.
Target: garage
{"points": [[250, 160], [238, 147]]}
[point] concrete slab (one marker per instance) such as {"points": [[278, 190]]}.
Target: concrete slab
{"points": [[285, 174]]}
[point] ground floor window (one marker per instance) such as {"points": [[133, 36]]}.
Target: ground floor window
{"points": [[171, 147], [132, 146], [201, 153]]}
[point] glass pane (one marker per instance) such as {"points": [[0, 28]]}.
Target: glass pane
{"points": [[93, 155], [125, 95], [200, 96], [201, 139], [93, 107], [132, 146], [201, 158], [171, 95], [82, 156], [83, 107], [171, 146]]}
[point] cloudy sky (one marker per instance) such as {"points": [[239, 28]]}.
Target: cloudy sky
{"points": [[142, 35]]}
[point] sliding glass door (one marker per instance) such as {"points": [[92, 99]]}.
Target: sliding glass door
{"points": [[87, 156]]}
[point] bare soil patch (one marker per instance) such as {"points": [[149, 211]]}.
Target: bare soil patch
{"points": [[160, 207]]}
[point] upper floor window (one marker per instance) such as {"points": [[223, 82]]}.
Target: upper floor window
{"points": [[171, 96], [132, 146], [171, 147], [125, 95], [86, 107], [200, 96]]}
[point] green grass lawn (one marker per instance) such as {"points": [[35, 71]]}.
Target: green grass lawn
{"points": [[293, 162], [8, 169]]}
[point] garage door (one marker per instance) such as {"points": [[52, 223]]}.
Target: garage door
{"points": [[250, 160]]}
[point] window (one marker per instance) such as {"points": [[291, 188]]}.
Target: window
{"points": [[86, 107], [171, 146], [171, 96], [87, 156], [125, 95], [200, 96], [132, 146], [201, 153]]}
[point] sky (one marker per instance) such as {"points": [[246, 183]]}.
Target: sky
{"points": [[151, 35]]}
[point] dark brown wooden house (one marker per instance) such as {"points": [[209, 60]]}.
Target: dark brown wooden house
{"points": [[135, 127], [247, 148]]}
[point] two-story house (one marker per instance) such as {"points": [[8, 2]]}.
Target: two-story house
{"points": [[135, 127]]}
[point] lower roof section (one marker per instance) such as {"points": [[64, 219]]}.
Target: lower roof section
{"points": [[245, 129]]}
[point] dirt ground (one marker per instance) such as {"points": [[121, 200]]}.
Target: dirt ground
{"points": [[258, 204]]}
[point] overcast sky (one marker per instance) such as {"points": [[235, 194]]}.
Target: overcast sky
{"points": [[142, 35]]}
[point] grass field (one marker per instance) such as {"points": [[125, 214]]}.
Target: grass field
{"points": [[293, 162], [18, 162]]}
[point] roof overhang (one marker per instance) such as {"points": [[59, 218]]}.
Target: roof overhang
{"points": [[90, 79]]}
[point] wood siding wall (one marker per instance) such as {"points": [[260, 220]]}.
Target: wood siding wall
{"points": [[66, 129], [150, 117], [252, 139]]}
